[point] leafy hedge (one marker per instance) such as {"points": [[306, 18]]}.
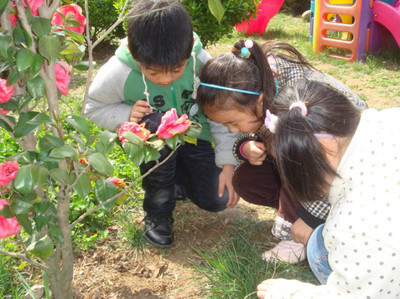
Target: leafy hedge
{"points": [[207, 26]]}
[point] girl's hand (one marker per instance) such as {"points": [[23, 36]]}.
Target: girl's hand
{"points": [[139, 110], [301, 232], [225, 180], [255, 151]]}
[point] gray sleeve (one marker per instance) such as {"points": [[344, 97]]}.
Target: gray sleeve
{"points": [[105, 106], [224, 141], [328, 79]]}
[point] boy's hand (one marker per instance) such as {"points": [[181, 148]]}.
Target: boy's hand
{"points": [[225, 180], [301, 232], [255, 151], [139, 110]]}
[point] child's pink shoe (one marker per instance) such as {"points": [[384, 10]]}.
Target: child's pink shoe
{"points": [[287, 251]]}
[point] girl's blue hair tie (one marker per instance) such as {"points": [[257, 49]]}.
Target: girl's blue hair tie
{"points": [[245, 52], [230, 89]]}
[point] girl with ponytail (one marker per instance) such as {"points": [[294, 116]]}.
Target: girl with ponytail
{"points": [[324, 145], [236, 89]]}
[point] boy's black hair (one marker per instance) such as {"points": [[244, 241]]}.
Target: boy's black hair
{"points": [[160, 33]]}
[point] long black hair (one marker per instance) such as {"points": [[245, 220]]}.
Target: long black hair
{"points": [[251, 73], [300, 157], [160, 33]]}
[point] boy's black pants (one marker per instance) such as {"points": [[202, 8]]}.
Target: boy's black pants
{"points": [[192, 167]]}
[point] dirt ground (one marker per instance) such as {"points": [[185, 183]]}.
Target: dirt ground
{"points": [[114, 271]]}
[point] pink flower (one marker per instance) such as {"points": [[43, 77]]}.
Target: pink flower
{"points": [[8, 172], [3, 111], [33, 4], [61, 70], [117, 182], [6, 91], [172, 125], [8, 226], [138, 130], [70, 12]]}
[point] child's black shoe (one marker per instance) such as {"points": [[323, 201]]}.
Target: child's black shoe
{"points": [[158, 230]]}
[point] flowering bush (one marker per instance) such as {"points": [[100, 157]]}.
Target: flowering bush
{"points": [[68, 16], [6, 91], [8, 226], [8, 172], [171, 125]]}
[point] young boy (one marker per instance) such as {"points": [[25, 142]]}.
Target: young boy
{"points": [[154, 72]]}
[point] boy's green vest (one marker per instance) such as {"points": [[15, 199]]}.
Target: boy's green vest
{"points": [[177, 95]]}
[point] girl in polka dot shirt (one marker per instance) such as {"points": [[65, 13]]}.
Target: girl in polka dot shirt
{"points": [[324, 145]]}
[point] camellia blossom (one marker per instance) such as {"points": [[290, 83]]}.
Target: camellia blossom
{"points": [[6, 91], [63, 78], [117, 181], [33, 4], [8, 226], [171, 125], [8, 172], [138, 130], [3, 111], [70, 12]]}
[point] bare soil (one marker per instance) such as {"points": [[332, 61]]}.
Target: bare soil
{"points": [[113, 270]]}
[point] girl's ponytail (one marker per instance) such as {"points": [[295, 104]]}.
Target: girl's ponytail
{"points": [[258, 57], [302, 111]]}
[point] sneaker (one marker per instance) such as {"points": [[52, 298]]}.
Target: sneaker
{"points": [[158, 230], [286, 251]]}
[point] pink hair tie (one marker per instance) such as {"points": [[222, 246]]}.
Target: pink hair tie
{"points": [[271, 121], [300, 105]]}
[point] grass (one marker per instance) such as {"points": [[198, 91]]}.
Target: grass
{"points": [[235, 268]]}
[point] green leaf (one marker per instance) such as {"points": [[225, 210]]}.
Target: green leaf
{"points": [[28, 37], [5, 125], [194, 130], [100, 163], [77, 37], [40, 119], [21, 207], [134, 153], [104, 190], [6, 212], [37, 65], [42, 248], [63, 152], [23, 220], [49, 47], [79, 123], [83, 65], [71, 48], [56, 233], [83, 186], [216, 9], [24, 157], [24, 59], [5, 42], [6, 66], [19, 37], [150, 154], [173, 142], [133, 138], [13, 77], [3, 6], [41, 26], [30, 177], [41, 221], [60, 176], [106, 142], [23, 128], [49, 142], [36, 87]]}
